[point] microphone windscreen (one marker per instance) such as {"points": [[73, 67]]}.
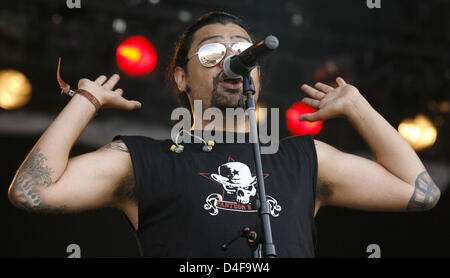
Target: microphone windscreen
{"points": [[271, 42]]}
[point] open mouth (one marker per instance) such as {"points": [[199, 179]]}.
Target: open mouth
{"points": [[230, 83]]}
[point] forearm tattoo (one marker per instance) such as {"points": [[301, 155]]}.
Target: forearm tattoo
{"points": [[426, 194], [33, 176], [117, 145]]}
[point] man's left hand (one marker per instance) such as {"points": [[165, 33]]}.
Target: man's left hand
{"points": [[330, 102]]}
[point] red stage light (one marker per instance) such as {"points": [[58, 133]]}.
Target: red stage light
{"points": [[136, 56], [297, 127]]}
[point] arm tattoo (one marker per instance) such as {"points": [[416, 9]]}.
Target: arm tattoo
{"points": [[32, 177], [118, 145], [426, 194]]}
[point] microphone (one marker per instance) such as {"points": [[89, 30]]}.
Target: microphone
{"points": [[237, 65]]}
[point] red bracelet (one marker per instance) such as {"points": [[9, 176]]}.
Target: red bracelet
{"points": [[90, 97]]}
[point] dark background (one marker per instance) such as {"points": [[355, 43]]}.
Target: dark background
{"points": [[396, 55]]}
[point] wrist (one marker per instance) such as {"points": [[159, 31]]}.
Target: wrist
{"points": [[82, 100], [92, 99], [356, 107]]}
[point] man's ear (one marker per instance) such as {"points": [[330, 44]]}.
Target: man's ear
{"points": [[180, 78]]}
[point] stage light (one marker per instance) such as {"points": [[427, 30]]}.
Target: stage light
{"points": [[444, 106], [15, 89], [297, 127], [119, 25], [420, 133], [297, 19], [136, 56], [184, 16]]}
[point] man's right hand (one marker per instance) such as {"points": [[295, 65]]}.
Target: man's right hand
{"points": [[103, 89], [49, 181]]}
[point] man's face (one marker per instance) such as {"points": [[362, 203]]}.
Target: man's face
{"points": [[211, 85]]}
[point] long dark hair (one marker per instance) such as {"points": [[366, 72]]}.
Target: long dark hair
{"points": [[182, 47]]}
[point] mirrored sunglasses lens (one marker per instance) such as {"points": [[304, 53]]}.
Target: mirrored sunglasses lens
{"points": [[240, 46], [211, 54]]}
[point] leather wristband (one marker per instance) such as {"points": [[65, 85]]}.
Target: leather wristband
{"points": [[90, 97]]}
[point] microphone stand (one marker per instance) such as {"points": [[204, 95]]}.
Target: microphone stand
{"points": [[259, 237], [236, 66], [266, 246]]}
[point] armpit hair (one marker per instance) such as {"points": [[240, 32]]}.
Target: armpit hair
{"points": [[323, 191], [126, 191]]}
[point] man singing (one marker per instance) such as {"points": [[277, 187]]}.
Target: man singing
{"points": [[188, 203]]}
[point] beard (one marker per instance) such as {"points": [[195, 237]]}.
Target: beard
{"points": [[226, 98]]}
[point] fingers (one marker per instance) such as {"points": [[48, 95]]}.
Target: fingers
{"points": [[115, 97], [311, 117], [117, 101], [112, 81], [340, 81], [101, 79], [316, 94], [132, 105], [314, 103], [136, 104], [118, 91], [323, 87]]}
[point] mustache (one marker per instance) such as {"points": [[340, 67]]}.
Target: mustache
{"points": [[216, 80]]}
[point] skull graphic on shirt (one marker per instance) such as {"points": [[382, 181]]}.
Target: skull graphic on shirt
{"points": [[236, 180]]}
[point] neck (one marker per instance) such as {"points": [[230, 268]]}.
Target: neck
{"points": [[230, 124]]}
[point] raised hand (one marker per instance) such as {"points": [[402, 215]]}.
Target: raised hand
{"points": [[103, 89], [330, 102]]}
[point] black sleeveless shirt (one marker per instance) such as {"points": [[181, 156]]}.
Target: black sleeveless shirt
{"points": [[191, 203]]}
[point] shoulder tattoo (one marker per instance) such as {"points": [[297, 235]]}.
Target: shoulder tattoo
{"points": [[117, 145]]}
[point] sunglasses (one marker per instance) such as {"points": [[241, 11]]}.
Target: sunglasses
{"points": [[211, 54]]}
